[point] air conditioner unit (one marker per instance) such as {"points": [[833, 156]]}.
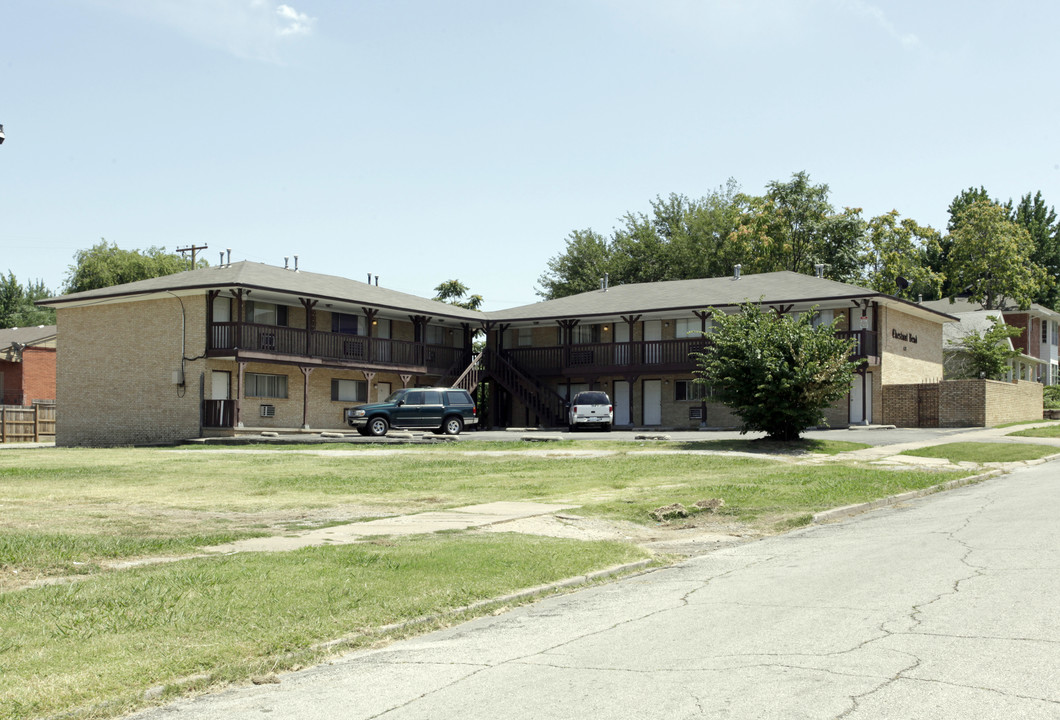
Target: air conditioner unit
{"points": [[268, 411]]}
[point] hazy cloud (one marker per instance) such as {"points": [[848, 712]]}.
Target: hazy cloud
{"points": [[877, 16], [252, 29]]}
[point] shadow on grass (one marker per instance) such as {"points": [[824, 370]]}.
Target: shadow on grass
{"points": [[803, 446]]}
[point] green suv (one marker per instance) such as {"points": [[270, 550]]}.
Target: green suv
{"points": [[445, 410]]}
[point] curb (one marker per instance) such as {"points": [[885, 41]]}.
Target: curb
{"points": [[528, 593], [859, 508]]}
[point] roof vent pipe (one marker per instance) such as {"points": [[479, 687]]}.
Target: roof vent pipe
{"points": [[229, 251], [819, 269], [920, 299], [377, 281], [607, 278], [222, 262], [736, 271], [285, 263], [296, 263]]}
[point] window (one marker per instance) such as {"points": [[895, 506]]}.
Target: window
{"points": [[584, 334], [1045, 330], [432, 397], [458, 397], [823, 317], [263, 313], [414, 397], [690, 390], [266, 386], [526, 337], [349, 390], [435, 335], [344, 323], [689, 327]]}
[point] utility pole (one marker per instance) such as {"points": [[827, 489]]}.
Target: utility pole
{"points": [[192, 249]]}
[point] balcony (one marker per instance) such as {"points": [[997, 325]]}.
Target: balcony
{"points": [[656, 356], [251, 341]]}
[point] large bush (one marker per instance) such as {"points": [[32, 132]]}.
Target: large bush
{"points": [[777, 372]]}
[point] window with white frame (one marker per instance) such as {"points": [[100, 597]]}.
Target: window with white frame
{"points": [[349, 390], [435, 335], [265, 385], [222, 309], [689, 327], [690, 390], [823, 317], [525, 337]]}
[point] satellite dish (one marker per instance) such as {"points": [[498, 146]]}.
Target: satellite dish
{"points": [[902, 283]]}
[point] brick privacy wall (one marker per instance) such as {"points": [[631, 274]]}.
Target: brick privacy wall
{"points": [[38, 374], [901, 408], [114, 370], [968, 403]]}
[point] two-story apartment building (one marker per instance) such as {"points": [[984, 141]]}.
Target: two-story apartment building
{"points": [[27, 365], [633, 341], [243, 344], [247, 345]]}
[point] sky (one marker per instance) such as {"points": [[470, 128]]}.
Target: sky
{"points": [[428, 141]]}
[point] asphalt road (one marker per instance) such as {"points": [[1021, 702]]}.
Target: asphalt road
{"points": [[941, 608]]}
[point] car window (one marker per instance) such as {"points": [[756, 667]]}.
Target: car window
{"points": [[458, 397], [414, 397], [591, 398], [395, 396], [432, 397]]}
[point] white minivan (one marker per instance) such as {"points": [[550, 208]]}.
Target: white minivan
{"points": [[591, 408]]}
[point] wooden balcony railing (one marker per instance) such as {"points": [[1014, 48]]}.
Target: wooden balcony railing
{"points": [[641, 356], [273, 339]]}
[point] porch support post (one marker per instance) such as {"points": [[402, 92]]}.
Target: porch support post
{"points": [[310, 324], [240, 317], [241, 369], [703, 316], [306, 372], [405, 380], [369, 329], [631, 381]]}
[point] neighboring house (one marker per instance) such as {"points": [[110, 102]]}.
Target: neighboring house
{"points": [[27, 365], [249, 345], [633, 341], [1038, 347]]}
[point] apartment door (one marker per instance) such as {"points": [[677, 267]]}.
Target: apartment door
{"points": [[382, 391], [622, 344], [620, 402], [220, 385], [652, 337], [653, 402], [861, 400]]}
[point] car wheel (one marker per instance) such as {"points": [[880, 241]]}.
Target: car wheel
{"points": [[572, 427], [362, 431], [606, 427], [378, 426], [453, 425]]}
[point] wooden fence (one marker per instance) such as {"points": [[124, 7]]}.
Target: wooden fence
{"points": [[27, 424]]}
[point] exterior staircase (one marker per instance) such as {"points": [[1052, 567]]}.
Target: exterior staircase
{"points": [[550, 407]]}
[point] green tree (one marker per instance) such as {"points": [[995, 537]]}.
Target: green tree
{"points": [[1040, 222], [454, 292], [778, 373], [989, 258], [579, 268], [680, 238], [794, 227], [105, 264], [894, 260], [986, 354], [17, 307]]}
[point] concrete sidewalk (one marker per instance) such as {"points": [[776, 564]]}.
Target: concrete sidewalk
{"points": [[462, 518]]}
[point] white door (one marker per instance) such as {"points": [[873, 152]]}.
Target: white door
{"points": [[220, 384], [861, 405], [652, 335], [621, 402], [382, 391], [622, 350], [653, 402]]}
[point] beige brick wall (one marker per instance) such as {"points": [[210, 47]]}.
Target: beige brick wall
{"points": [[967, 403], [902, 360], [114, 383]]}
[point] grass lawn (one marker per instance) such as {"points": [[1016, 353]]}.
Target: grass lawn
{"points": [[984, 452], [112, 634], [1051, 431]]}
